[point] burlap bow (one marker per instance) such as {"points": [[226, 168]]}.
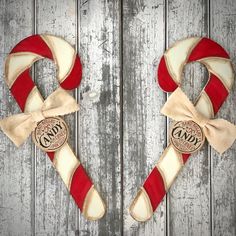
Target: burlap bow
{"points": [[219, 132], [19, 127]]}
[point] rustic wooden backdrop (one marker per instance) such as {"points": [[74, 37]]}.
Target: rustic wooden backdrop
{"points": [[120, 136]]}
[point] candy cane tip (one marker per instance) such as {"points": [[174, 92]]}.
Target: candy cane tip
{"points": [[94, 207], [141, 209]]}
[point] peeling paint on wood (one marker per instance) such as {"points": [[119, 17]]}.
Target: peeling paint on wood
{"points": [[189, 209], [15, 164], [144, 127]]}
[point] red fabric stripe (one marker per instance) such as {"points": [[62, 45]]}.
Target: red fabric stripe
{"points": [[185, 157], [164, 78], [73, 79], [207, 48], [34, 44], [22, 88], [155, 188], [80, 186], [51, 155], [216, 92]]}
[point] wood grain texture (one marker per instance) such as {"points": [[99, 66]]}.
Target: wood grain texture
{"points": [[55, 210], [223, 30], [15, 164], [144, 129], [99, 120], [189, 197], [120, 135]]}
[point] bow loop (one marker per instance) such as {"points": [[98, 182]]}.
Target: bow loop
{"points": [[19, 127], [219, 132]]}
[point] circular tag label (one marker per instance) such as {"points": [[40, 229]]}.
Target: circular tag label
{"points": [[51, 134], [187, 136]]}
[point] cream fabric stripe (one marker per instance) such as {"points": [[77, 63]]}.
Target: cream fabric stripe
{"points": [[222, 68], [143, 210], [204, 105], [93, 207], [169, 166], [65, 163], [175, 63], [63, 53], [34, 101], [17, 63]]}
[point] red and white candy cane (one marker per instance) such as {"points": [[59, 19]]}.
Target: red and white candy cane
{"points": [[69, 74], [221, 78]]}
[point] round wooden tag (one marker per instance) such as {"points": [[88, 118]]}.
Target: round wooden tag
{"points": [[51, 134], [187, 136]]}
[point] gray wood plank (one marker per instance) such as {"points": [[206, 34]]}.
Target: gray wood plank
{"points": [[15, 163], [99, 121], [144, 136], [189, 197], [55, 212], [223, 21]]}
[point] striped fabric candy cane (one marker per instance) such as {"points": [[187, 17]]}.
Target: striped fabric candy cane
{"points": [[221, 78], [69, 73]]}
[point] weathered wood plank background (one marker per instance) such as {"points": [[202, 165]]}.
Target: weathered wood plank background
{"points": [[119, 136]]}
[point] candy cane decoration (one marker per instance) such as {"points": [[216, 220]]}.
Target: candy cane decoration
{"points": [[221, 78], [69, 73]]}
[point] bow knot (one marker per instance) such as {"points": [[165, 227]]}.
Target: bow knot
{"points": [[37, 116], [19, 127], [200, 120], [219, 132]]}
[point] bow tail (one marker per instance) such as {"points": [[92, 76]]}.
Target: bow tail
{"points": [[17, 127], [220, 134]]}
